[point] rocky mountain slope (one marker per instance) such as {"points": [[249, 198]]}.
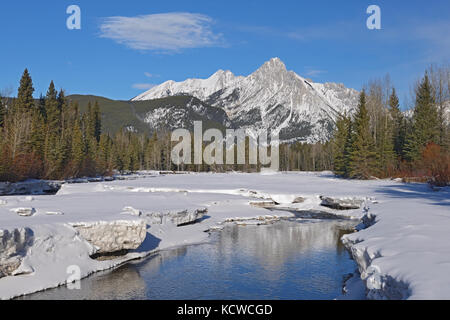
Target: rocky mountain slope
{"points": [[271, 98]]}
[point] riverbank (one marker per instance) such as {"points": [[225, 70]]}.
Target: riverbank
{"points": [[289, 259], [403, 222]]}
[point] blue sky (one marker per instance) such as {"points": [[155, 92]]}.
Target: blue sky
{"points": [[154, 41]]}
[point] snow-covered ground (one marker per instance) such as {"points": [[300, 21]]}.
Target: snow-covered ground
{"points": [[402, 249]]}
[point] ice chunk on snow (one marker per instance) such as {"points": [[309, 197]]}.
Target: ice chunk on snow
{"points": [[13, 246], [108, 237], [54, 213], [24, 212], [177, 218], [131, 211], [341, 203], [298, 200], [263, 204]]}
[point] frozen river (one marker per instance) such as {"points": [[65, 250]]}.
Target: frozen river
{"points": [[290, 259], [402, 249]]}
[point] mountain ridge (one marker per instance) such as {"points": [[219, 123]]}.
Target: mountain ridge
{"points": [[270, 98]]}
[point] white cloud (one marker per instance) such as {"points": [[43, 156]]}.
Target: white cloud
{"points": [[164, 32], [314, 72], [150, 75], [143, 86]]}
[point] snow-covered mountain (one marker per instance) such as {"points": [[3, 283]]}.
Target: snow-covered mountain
{"points": [[270, 98]]}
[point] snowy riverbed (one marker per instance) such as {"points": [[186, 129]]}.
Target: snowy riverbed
{"points": [[402, 248]]}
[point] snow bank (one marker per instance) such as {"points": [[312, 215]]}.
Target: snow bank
{"points": [[13, 246], [29, 187], [401, 248]]}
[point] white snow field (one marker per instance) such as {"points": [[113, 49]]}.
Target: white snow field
{"points": [[402, 247]]}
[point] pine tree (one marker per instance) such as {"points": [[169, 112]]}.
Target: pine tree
{"points": [[54, 147], [96, 115], [37, 137], [41, 107], [425, 127], [78, 148], [440, 82], [115, 158], [89, 121], [340, 142], [63, 156], [398, 125], [62, 102], [362, 155], [153, 153], [52, 109], [25, 100], [104, 152], [93, 129], [89, 129], [385, 150]]}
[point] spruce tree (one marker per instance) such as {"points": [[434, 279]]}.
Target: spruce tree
{"points": [[37, 136], [62, 157], [53, 144], [362, 155], [104, 151], [62, 102], [96, 115], [398, 124], [25, 100], [153, 153], [41, 107], [385, 150], [93, 128], [78, 148], [89, 121], [340, 142], [425, 126], [52, 109]]}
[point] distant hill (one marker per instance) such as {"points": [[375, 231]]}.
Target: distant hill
{"points": [[167, 113]]}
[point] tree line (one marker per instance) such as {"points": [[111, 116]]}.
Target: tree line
{"points": [[50, 138], [46, 138], [381, 141]]}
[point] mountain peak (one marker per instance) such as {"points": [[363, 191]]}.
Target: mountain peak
{"points": [[275, 63], [222, 73], [271, 97], [276, 60], [273, 67]]}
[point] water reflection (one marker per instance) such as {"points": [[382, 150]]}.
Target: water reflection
{"points": [[301, 259], [273, 245]]}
